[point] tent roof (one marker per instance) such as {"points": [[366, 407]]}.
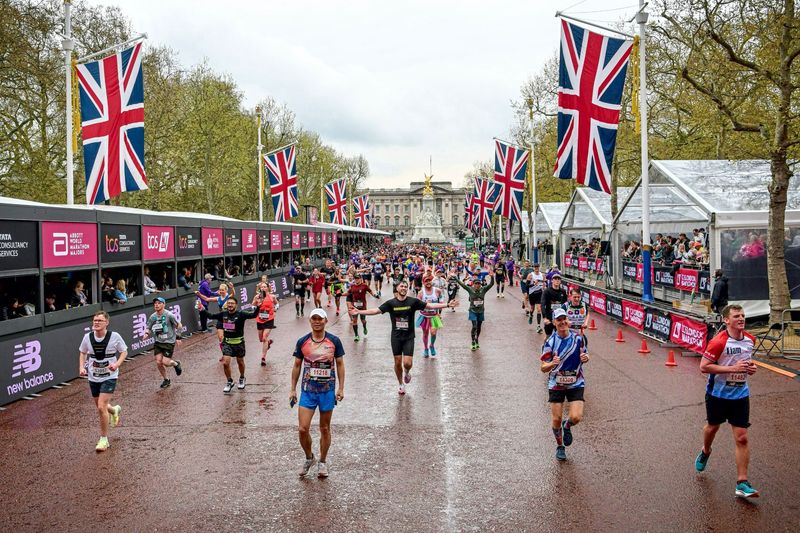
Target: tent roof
{"points": [[590, 209]]}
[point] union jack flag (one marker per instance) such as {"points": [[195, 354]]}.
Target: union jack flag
{"points": [[112, 124], [484, 198], [361, 215], [337, 201], [510, 169], [282, 171], [468, 212], [590, 84]]}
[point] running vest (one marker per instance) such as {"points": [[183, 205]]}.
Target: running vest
{"points": [[99, 360], [266, 311], [430, 298]]}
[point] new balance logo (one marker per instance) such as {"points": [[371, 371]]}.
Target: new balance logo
{"points": [[27, 358]]}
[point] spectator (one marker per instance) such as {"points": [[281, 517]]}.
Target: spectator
{"points": [[149, 284], [50, 303], [183, 279], [204, 290], [719, 294], [107, 291], [753, 248], [78, 297], [120, 294], [19, 308]]}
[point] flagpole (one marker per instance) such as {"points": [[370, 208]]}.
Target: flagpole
{"points": [[647, 287], [67, 45], [260, 169], [534, 249]]}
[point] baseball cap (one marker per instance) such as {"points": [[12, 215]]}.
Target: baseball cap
{"points": [[160, 299], [559, 313], [319, 312]]}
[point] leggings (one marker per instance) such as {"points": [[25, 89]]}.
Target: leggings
{"points": [[476, 329]]}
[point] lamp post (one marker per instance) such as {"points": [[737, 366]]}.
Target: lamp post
{"points": [[260, 168]]}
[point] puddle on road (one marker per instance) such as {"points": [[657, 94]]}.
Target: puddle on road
{"points": [[266, 403]]}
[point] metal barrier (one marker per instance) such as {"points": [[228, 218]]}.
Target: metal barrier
{"points": [[784, 325]]}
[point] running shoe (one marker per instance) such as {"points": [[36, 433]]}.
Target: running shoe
{"points": [[166, 383], [298, 314], [228, 386], [426, 353], [337, 312], [178, 368], [539, 329], [322, 470], [269, 344], [263, 362], [402, 389], [701, 461], [407, 377], [561, 453], [477, 346], [745, 490], [567, 432], [307, 464], [242, 383], [357, 338], [433, 351], [102, 445], [364, 327], [474, 347], [115, 416], [530, 319]]}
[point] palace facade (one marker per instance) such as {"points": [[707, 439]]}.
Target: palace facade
{"points": [[396, 210]]}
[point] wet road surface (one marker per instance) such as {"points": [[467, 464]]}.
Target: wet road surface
{"points": [[469, 448]]}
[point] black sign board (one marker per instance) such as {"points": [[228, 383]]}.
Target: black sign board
{"points": [[664, 276], [187, 242], [263, 240], [614, 307], [19, 245], [629, 270], [120, 243], [657, 324], [287, 240], [704, 282], [303, 239], [233, 240]]}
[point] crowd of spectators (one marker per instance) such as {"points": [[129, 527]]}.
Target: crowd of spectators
{"points": [[583, 247], [670, 250]]}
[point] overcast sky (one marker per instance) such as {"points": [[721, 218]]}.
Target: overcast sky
{"points": [[395, 81]]}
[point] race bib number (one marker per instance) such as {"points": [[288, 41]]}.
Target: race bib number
{"points": [[162, 336], [566, 378], [477, 302], [324, 373], [263, 316], [737, 379], [401, 323], [157, 328], [229, 326], [100, 368], [358, 305]]}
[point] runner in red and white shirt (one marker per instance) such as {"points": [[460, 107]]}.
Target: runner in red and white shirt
{"points": [[317, 281], [266, 303], [728, 361], [356, 298]]}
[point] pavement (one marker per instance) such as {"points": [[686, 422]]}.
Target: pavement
{"points": [[469, 448]]}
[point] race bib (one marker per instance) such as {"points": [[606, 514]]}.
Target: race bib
{"points": [[401, 323], [324, 373], [157, 327], [358, 305], [566, 378], [100, 368], [477, 302], [263, 316], [736, 379], [162, 336], [229, 326]]}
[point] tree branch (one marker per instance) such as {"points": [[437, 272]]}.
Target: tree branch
{"points": [[724, 108]]}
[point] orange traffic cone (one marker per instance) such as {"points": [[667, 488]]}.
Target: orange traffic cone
{"points": [[619, 336], [671, 359], [644, 348], [592, 327]]}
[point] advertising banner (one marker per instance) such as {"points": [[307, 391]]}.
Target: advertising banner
{"points": [[689, 333], [304, 239], [657, 324], [687, 279], [295, 240], [599, 267], [614, 307], [597, 301], [264, 240], [249, 241], [633, 314], [233, 241], [704, 281], [212, 241], [664, 277], [286, 240], [324, 239], [312, 239], [629, 270], [159, 242], [119, 243], [19, 245], [188, 242], [567, 260], [583, 263], [334, 238], [66, 244], [275, 240]]}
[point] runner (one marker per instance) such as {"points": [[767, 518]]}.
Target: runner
{"points": [[500, 274], [266, 303], [233, 341], [510, 268], [523, 285], [337, 287], [221, 297], [315, 354], [328, 270], [536, 286], [377, 275], [300, 282], [552, 298], [477, 294], [401, 311], [452, 286], [106, 352], [165, 329], [429, 320], [728, 361], [577, 314], [307, 269], [563, 357], [317, 284], [357, 299]]}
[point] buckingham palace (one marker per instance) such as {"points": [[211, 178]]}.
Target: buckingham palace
{"points": [[396, 210]]}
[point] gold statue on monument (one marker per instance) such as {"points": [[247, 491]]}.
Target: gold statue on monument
{"points": [[428, 190]]}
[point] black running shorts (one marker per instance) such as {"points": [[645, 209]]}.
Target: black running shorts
{"points": [[735, 412], [233, 350], [402, 346], [570, 395]]}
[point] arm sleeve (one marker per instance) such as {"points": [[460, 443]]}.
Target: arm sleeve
{"points": [[86, 346], [150, 321], [119, 344], [298, 351], [547, 352], [546, 311], [338, 348], [418, 305], [385, 307], [715, 347]]}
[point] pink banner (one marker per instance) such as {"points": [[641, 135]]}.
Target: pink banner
{"points": [[275, 240], [687, 279], [640, 273], [633, 314], [66, 244], [333, 238], [583, 264], [597, 301], [689, 333], [249, 241], [312, 239], [295, 240], [212, 241], [567, 260], [158, 242], [598, 266], [324, 239]]}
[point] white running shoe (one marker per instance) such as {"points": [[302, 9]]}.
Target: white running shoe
{"points": [[322, 470], [307, 464], [402, 390]]}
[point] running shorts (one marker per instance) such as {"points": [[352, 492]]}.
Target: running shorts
{"points": [[233, 350], [106, 387], [164, 348], [570, 395], [326, 401], [549, 329], [269, 324], [402, 346], [535, 298], [473, 316], [735, 412], [300, 292]]}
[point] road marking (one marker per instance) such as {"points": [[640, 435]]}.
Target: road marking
{"points": [[776, 369]]}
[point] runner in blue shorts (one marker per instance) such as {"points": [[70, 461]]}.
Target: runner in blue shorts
{"points": [[319, 358]]}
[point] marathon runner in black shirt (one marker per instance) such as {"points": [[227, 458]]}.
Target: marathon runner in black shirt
{"points": [[328, 270], [233, 339], [300, 283], [402, 309]]}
